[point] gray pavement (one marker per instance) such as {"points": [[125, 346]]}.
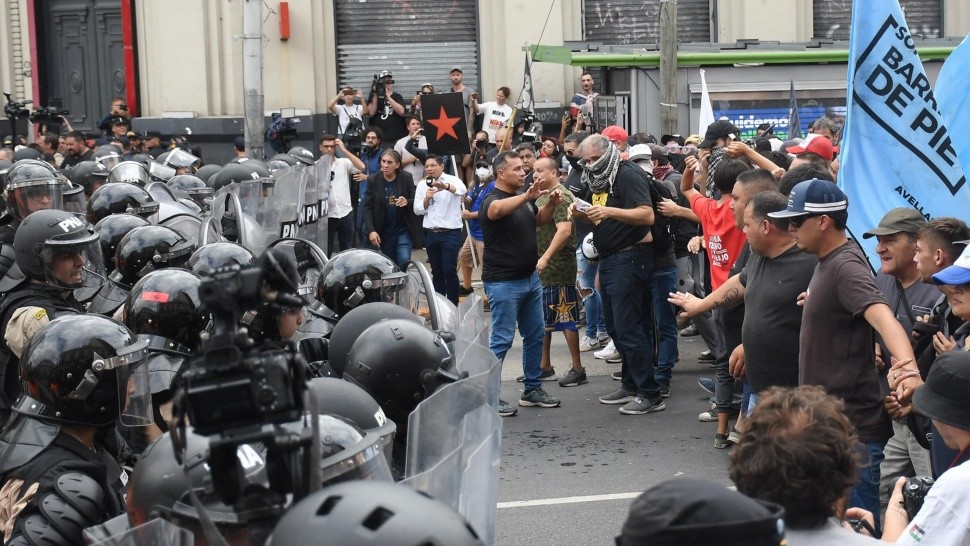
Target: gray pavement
{"points": [[586, 449]]}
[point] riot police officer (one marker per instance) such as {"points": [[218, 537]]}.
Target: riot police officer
{"points": [[57, 253], [31, 185], [78, 373]]}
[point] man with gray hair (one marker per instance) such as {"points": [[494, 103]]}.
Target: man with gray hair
{"points": [[618, 204]]}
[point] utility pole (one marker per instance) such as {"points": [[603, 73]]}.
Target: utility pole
{"points": [[253, 78], [668, 66]]}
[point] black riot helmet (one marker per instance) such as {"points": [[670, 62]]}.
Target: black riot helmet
{"points": [[4, 167], [344, 399], [347, 452], [302, 155], [194, 187], [351, 325], [110, 230], [84, 370], [220, 254], [399, 363], [33, 185], [131, 172], [146, 249], [109, 155], [121, 199], [90, 175], [159, 486], [75, 201], [258, 167], [166, 304], [354, 277], [365, 512], [285, 158], [144, 159], [233, 172], [27, 153], [58, 248], [206, 171]]}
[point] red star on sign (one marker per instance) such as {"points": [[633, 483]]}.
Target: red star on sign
{"points": [[444, 125]]}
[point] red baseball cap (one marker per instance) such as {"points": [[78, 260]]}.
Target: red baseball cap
{"points": [[615, 133], [817, 144]]}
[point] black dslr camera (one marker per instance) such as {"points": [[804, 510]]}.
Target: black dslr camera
{"points": [[914, 493]]}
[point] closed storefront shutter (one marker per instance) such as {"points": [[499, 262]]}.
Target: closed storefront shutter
{"points": [[832, 17], [623, 22], [418, 42]]}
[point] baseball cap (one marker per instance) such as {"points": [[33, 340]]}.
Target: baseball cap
{"points": [[657, 150], [694, 512], [118, 120], [958, 273], [667, 138], [945, 396], [239, 143], [813, 196], [719, 129], [615, 133], [640, 151], [692, 139], [456, 67], [817, 144], [898, 220], [385, 74]]}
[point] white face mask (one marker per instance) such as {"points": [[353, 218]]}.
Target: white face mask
{"points": [[483, 172]]}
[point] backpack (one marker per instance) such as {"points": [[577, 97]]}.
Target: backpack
{"points": [[664, 229]]}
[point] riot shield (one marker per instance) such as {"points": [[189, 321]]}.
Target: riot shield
{"points": [[229, 222], [321, 172], [454, 436], [156, 532], [422, 297], [309, 259], [188, 225]]}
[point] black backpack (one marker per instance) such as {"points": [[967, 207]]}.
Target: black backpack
{"points": [[664, 229]]}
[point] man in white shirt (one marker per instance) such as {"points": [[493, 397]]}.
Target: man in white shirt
{"points": [[340, 220], [344, 108], [438, 199], [497, 113], [411, 163]]}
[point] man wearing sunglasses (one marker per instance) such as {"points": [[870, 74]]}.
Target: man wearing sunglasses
{"points": [[843, 309]]}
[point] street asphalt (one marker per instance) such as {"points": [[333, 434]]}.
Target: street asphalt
{"points": [[569, 474]]}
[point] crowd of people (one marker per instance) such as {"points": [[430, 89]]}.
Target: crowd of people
{"points": [[845, 384]]}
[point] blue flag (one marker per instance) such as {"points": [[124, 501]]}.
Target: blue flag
{"points": [[896, 150], [794, 124], [951, 93]]}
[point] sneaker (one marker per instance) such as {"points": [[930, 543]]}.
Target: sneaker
{"points": [[574, 377], [721, 441], [603, 338], [506, 410], [708, 416], [615, 359], [619, 396], [664, 390], [689, 331], [706, 383], [606, 352], [617, 376], [538, 397], [544, 375], [706, 356], [588, 344], [734, 436], [641, 405]]}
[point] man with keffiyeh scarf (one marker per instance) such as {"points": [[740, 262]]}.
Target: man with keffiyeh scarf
{"points": [[622, 212]]}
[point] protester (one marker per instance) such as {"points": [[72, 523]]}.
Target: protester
{"points": [[496, 114], [389, 219], [340, 217], [843, 308], [509, 273], [474, 246], [438, 200]]}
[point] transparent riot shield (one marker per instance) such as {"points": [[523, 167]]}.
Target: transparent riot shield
{"points": [[229, 222], [287, 204], [318, 189], [309, 259], [422, 296], [454, 436]]}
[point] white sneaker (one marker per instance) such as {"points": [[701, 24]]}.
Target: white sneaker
{"points": [[603, 338], [608, 351], [588, 344]]}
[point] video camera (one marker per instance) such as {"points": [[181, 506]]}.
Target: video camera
{"points": [[377, 88], [16, 109], [48, 115]]}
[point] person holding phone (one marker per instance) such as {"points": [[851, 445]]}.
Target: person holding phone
{"points": [[438, 200], [346, 106]]}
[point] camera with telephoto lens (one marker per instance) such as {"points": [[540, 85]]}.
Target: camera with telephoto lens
{"points": [[914, 493], [15, 109], [48, 115]]}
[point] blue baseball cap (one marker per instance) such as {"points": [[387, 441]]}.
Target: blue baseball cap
{"points": [[958, 273], [813, 196]]}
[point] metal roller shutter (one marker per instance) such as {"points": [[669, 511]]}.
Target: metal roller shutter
{"points": [[832, 17], [417, 41], [623, 22]]}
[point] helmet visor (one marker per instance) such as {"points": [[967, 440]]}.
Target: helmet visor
{"points": [[160, 171], [73, 264], [350, 454], [134, 383], [109, 160], [43, 195]]}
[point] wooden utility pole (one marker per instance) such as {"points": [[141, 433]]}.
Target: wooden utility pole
{"points": [[668, 67]]}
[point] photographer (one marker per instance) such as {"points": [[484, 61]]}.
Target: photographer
{"points": [[942, 519], [119, 109], [413, 148], [349, 109], [386, 108], [415, 110]]}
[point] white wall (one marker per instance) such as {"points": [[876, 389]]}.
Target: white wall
{"points": [[15, 67], [766, 20]]}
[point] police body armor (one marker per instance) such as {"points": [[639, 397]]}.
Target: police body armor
{"points": [[56, 302]]}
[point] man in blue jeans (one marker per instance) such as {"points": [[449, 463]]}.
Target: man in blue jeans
{"points": [[438, 199], [509, 272], [621, 212]]}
